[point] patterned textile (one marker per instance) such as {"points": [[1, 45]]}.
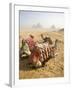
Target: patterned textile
{"points": [[40, 53], [30, 42]]}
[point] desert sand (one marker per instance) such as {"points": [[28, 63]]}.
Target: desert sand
{"points": [[54, 67]]}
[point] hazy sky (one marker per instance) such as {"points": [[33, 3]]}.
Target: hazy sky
{"points": [[46, 19]]}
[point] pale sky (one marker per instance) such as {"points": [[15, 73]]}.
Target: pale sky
{"points": [[46, 19]]}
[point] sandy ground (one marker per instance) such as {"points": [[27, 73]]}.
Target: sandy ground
{"points": [[54, 67]]}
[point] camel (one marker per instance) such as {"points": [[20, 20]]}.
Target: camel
{"points": [[40, 54], [49, 48], [46, 39], [24, 50]]}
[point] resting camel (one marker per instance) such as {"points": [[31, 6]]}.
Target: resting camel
{"points": [[40, 53], [46, 39], [24, 50]]}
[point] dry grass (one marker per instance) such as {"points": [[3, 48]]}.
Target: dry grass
{"points": [[54, 67]]}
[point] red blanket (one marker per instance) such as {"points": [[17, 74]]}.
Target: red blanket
{"points": [[31, 43]]}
